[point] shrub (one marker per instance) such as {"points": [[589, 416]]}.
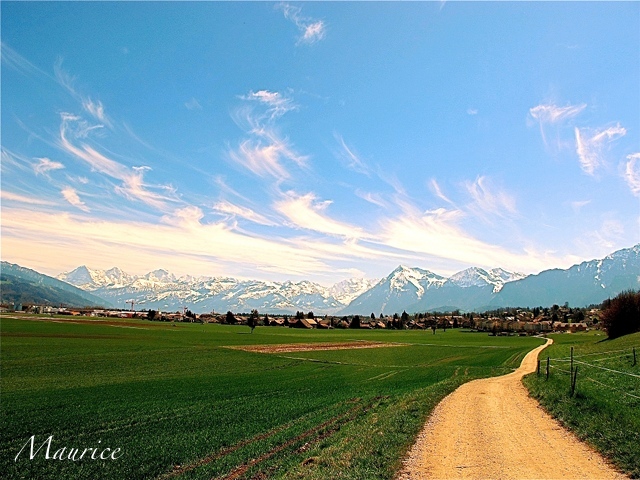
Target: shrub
{"points": [[621, 315]]}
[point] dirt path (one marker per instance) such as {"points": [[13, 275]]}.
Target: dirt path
{"points": [[491, 428]]}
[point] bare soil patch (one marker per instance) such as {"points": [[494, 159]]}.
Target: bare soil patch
{"points": [[491, 428], [312, 347]]}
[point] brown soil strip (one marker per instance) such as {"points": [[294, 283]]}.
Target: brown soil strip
{"points": [[492, 428], [312, 347]]}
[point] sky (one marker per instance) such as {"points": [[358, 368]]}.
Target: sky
{"points": [[318, 140]]}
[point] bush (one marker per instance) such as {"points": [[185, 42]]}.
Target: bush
{"points": [[621, 315]]}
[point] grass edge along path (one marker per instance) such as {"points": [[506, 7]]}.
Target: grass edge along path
{"points": [[604, 410]]}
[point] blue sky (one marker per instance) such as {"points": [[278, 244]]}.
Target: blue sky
{"points": [[319, 140]]}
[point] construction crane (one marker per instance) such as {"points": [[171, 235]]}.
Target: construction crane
{"points": [[132, 302]]}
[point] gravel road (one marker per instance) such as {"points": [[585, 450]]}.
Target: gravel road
{"points": [[491, 428]]}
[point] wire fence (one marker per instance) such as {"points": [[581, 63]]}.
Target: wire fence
{"points": [[557, 363]]}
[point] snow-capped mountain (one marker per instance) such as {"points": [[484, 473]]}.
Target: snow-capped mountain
{"points": [[347, 290], [586, 283], [161, 290], [477, 277], [410, 289], [400, 289]]}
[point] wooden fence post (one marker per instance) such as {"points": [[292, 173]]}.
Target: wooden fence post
{"points": [[573, 381], [547, 368], [634, 357], [571, 369], [538, 369]]}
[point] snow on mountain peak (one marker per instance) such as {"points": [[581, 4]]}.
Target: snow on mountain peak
{"points": [[478, 277]]}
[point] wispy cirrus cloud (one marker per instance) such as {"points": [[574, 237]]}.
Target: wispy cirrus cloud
{"points": [[488, 200], [232, 210], [311, 31], [183, 242], [265, 152], [132, 187], [71, 196], [549, 114], [577, 205], [440, 234], [16, 197], [17, 62], [277, 103], [94, 107], [45, 165], [350, 158], [193, 104], [437, 191], [307, 212], [590, 144], [632, 173]]}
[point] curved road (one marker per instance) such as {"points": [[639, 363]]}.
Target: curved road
{"points": [[491, 428]]}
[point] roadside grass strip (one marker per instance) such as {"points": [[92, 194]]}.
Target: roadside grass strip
{"points": [[604, 408]]}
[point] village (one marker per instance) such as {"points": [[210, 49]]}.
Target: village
{"points": [[506, 321]]}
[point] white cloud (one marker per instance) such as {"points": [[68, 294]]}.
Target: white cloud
{"points": [[350, 158], [590, 143], [311, 31], [71, 196], [95, 108], [228, 208], [133, 186], [265, 153], [472, 111], [489, 200], [632, 173], [551, 113], [16, 197], [437, 191], [373, 198], [182, 243], [193, 104], [439, 234], [278, 103], [265, 159], [305, 211], [578, 204], [45, 165]]}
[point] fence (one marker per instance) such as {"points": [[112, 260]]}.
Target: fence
{"points": [[589, 369]]}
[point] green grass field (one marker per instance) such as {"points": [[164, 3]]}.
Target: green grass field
{"points": [[179, 404], [605, 408]]}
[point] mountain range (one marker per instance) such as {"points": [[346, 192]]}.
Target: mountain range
{"points": [[20, 285], [410, 289]]}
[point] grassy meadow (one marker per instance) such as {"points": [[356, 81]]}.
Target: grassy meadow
{"points": [[605, 407], [180, 404]]}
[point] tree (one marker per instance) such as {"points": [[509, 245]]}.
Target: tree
{"points": [[266, 320], [355, 322], [252, 321], [231, 319], [373, 316], [404, 319], [310, 316], [621, 315], [151, 314]]}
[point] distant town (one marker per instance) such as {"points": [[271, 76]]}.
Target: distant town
{"points": [[503, 321]]}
